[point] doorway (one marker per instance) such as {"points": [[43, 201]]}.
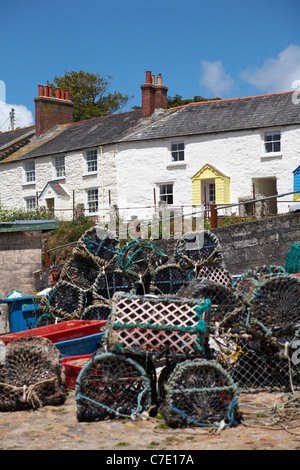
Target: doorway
{"points": [[208, 192], [264, 187], [50, 205]]}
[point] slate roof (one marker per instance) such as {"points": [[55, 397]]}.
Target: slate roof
{"points": [[13, 140], [82, 135], [193, 119], [10, 136], [56, 187], [224, 116]]}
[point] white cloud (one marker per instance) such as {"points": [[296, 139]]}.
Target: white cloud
{"points": [[215, 79], [23, 117], [276, 75]]}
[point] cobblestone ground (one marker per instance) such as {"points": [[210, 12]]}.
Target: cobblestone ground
{"points": [[266, 425]]}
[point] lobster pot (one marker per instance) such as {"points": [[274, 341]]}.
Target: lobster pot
{"points": [[199, 249], [275, 302], [260, 364], [110, 386], [100, 244], [168, 279], [248, 281], [64, 301], [292, 262], [97, 311], [227, 306], [215, 274], [110, 282], [31, 374], [81, 271], [138, 256], [157, 325], [200, 393]]}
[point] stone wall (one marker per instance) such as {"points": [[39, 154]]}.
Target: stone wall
{"points": [[20, 256], [265, 241]]}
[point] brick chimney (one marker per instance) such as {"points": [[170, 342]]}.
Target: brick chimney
{"points": [[52, 110], [153, 96]]}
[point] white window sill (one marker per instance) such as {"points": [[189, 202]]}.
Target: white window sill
{"points": [[92, 214], [91, 173], [29, 184], [272, 155], [176, 165], [59, 178]]}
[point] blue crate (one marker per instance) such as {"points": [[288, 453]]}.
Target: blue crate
{"points": [[23, 313], [80, 346]]}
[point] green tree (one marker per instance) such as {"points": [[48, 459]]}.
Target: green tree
{"points": [[177, 100], [90, 94]]}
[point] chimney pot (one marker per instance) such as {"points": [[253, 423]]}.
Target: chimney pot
{"points": [[52, 112], [148, 77], [159, 79]]}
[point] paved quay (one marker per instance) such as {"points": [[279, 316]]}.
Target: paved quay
{"points": [[268, 424]]}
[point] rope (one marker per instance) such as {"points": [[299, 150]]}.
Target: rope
{"points": [[29, 395]]}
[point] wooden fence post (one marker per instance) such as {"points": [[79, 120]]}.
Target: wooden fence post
{"points": [[47, 259], [214, 216]]}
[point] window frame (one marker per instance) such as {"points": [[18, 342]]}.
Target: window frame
{"points": [[56, 167], [93, 162], [27, 199], [272, 133], [27, 171], [176, 152], [167, 194], [87, 210]]}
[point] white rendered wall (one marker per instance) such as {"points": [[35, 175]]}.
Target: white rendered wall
{"points": [[13, 190], [130, 171], [239, 155]]}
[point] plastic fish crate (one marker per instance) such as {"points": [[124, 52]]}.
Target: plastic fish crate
{"points": [[72, 369], [80, 346], [23, 312], [59, 332]]}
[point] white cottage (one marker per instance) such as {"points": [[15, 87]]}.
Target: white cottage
{"points": [[215, 152]]}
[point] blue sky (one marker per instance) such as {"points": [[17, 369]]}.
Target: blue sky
{"points": [[210, 48]]}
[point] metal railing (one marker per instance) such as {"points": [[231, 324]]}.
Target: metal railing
{"points": [[213, 210]]}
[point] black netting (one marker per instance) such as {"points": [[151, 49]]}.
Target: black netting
{"points": [[101, 244], [81, 271], [138, 255], [259, 364], [111, 385], [200, 393], [275, 301], [31, 375], [249, 279], [199, 248], [96, 311], [168, 279], [110, 282], [227, 309], [65, 301]]}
